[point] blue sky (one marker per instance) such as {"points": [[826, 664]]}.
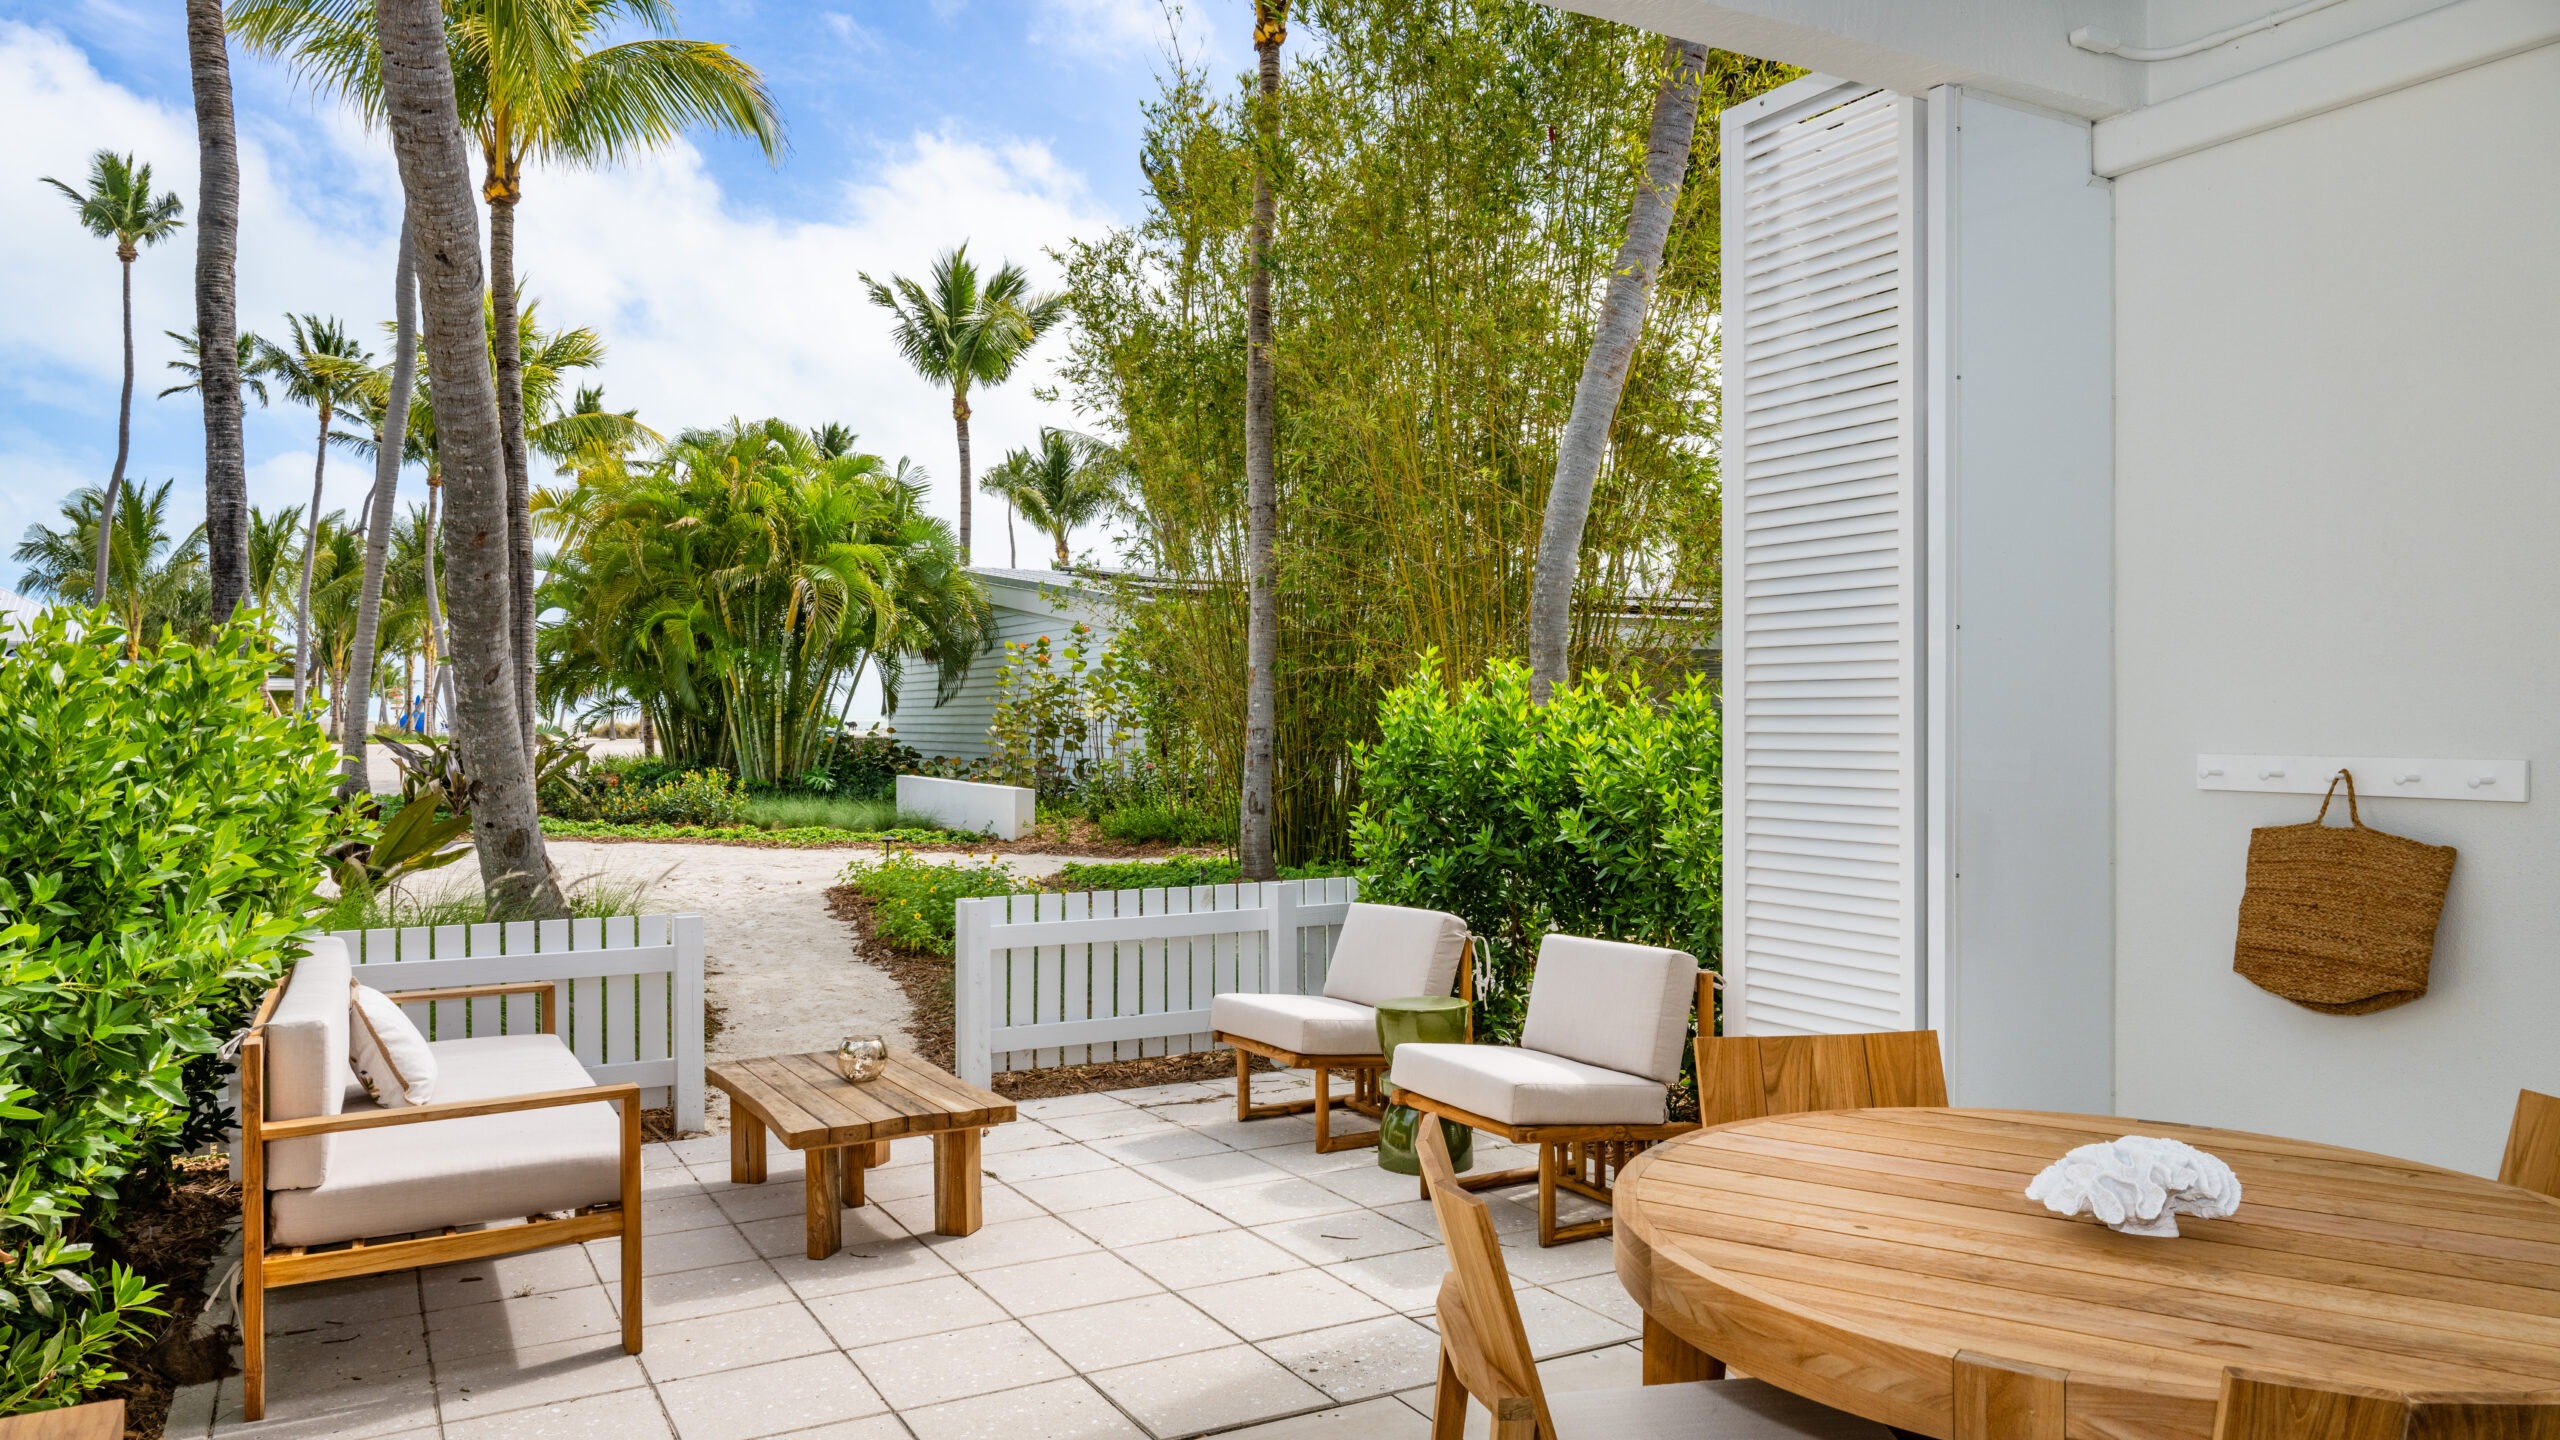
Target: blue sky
{"points": [[720, 284]]}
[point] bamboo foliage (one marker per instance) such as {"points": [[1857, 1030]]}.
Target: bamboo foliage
{"points": [[1453, 180]]}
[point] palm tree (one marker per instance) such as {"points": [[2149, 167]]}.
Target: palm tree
{"points": [[1261, 468], [245, 377], [390, 419], [1070, 480], [324, 368], [274, 542], [435, 177], [533, 84], [150, 585], [1604, 371], [226, 465], [954, 331], [119, 206]]}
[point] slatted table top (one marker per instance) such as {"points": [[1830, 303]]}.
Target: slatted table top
{"points": [[803, 1100], [1849, 1255]]}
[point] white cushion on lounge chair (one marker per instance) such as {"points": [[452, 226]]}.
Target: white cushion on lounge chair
{"points": [[1394, 952], [1617, 1006], [1307, 1024], [1525, 1087], [307, 1074], [483, 1168]]}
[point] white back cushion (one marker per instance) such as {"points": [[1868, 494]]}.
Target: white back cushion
{"points": [[391, 1059], [1393, 952], [306, 1040], [1618, 1006]]}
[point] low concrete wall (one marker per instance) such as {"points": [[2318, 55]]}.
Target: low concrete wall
{"points": [[1004, 810]]}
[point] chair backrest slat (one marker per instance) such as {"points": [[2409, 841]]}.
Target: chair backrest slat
{"points": [[2533, 1144], [1749, 1077], [2009, 1400], [1480, 1320]]}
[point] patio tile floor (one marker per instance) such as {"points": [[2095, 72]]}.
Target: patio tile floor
{"points": [[1149, 1269]]}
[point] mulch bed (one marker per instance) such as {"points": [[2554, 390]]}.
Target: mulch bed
{"points": [[926, 979], [171, 1234]]}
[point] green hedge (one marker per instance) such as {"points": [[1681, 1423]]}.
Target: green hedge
{"points": [[162, 843], [1595, 814], [794, 837], [915, 900]]}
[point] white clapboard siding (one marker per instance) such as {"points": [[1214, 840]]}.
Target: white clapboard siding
{"points": [[1067, 979], [1821, 470], [630, 991]]}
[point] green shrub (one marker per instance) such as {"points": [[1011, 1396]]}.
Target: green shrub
{"points": [[798, 837], [1181, 872], [1147, 820], [862, 764], [833, 812], [1596, 814], [163, 840], [914, 898], [696, 797]]}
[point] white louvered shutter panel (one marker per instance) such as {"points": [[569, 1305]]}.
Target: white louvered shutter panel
{"points": [[1822, 532]]}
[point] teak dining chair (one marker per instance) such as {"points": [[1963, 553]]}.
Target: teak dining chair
{"points": [[2259, 1406], [1752, 1077], [1485, 1354], [2007, 1400], [2533, 1144]]}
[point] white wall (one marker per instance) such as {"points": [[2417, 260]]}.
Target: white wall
{"points": [[2337, 429], [2021, 464]]}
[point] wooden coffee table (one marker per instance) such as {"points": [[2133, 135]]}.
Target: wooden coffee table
{"points": [[845, 1129]]}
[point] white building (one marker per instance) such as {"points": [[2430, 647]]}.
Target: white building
{"points": [[2091, 413], [1028, 604]]}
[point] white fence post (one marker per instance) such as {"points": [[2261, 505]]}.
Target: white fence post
{"points": [[1280, 947], [972, 1019], [688, 1023]]}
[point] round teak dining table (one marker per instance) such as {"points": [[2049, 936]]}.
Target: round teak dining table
{"points": [[1849, 1256]]}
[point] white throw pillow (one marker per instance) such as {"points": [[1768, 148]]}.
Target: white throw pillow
{"points": [[390, 1057]]}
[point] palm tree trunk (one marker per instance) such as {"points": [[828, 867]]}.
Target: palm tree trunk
{"points": [[1604, 370], [310, 545], [960, 422], [435, 173], [501, 191], [101, 577], [1261, 477], [386, 488], [435, 604], [226, 471], [1012, 556], [1060, 535]]}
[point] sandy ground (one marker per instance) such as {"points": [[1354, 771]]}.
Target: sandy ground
{"points": [[780, 969]]}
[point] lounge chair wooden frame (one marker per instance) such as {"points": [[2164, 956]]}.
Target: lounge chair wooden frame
{"points": [[2533, 1145], [1367, 1095], [264, 1267], [1584, 1159]]}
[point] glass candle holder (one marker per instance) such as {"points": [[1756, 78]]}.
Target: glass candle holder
{"points": [[861, 1057]]}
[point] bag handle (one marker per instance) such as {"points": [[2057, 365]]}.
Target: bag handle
{"points": [[2353, 817]]}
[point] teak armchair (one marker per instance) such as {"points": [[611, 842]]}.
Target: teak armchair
{"points": [[2533, 1145], [1485, 1355], [354, 1190], [1385, 952], [1589, 1083]]}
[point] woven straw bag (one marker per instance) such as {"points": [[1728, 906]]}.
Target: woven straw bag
{"points": [[2341, 919]]}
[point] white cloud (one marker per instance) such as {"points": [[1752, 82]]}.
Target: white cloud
{"points": [[1135, 32], [708, 310]]}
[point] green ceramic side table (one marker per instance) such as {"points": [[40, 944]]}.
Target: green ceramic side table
{"points": [[1432, 1019]]}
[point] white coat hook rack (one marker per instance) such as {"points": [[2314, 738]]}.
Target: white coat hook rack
{"points": [[2432, 779]]}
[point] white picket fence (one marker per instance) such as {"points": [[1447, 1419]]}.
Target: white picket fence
{"points": [[1064, 979], [630, 991]]}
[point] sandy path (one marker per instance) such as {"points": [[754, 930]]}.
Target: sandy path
{"points": [[781, 970]]}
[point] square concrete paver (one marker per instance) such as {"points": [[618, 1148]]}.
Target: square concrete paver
{"points": [[1149, 1269]]}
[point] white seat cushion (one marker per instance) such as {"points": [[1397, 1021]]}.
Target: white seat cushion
{"points": [[306, 1048], [1307, 1024], [471, 1171], [1394, 952], [1524, 1087], [1620, 1007], [1723, 1409]]}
